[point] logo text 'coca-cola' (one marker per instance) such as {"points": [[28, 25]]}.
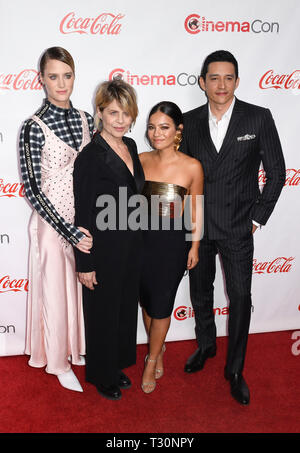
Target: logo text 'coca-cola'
{"points": [[292, 177], [278, 265], [8, 284], [271, 79], [102, 24], [27, 79], [11, 190]]}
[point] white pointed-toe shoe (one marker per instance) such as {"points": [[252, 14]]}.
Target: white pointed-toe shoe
{"points": [[81, 360], [70, 381]]}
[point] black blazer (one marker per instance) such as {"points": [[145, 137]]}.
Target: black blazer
{"points": [[232, 198], [98, 170]]}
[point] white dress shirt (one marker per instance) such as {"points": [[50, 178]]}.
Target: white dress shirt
{"points": [[219, 128]]}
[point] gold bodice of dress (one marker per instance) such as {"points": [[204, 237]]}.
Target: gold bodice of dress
{"points": [[164, 199]]}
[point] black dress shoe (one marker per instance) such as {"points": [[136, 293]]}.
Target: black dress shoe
{"points": [[111, 392], [124, 381], [197, 360], [239, 388]]}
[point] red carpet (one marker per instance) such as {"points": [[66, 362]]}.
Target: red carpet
{"points": [[34, 402]]}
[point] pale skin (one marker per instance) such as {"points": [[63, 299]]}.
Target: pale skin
{"points": [[219, 85], [115, 124], [58, 80], [165, 164]]}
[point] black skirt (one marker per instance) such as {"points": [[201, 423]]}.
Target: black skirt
{"points": [[165, 254]]}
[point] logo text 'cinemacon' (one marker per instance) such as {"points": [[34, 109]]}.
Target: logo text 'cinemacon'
{"points": [[102, 24], [195, 24], [181, 79]]}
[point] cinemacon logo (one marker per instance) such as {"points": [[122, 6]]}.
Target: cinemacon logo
{"points": [[181, 79], [102, 24], [195, 24], [183, 312], [7, 329]]}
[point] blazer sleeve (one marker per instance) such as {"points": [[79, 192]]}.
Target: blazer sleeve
{"points": [[84, 197], [184, 145], [274, 167]]}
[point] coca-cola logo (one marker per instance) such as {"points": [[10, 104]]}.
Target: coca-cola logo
{"points": [[183, 312], [194, 24], [275, 266], [27, 79], [8, 284], [292, 177], [10, 190], [271, 79], [181, 79], [102, 24]]}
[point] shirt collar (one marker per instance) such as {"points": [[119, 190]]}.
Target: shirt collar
{"points": [[226, 115], [59, 111]]}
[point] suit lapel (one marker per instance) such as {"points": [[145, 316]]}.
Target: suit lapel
{"points": [[116, 165], [138, 172], [231, 131], [204, 132]]}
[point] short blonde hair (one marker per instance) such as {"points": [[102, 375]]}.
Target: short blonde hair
{"points": [[119, 91]]}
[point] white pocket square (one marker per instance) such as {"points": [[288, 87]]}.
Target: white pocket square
{"points": [[245, 137]]}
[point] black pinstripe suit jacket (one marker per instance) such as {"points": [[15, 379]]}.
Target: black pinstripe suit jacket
{"points": [[232, 198]]}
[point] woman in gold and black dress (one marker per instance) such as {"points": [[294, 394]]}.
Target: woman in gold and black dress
{"points": [[170, 175]]}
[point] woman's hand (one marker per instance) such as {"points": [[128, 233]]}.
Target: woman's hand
{"points": [[193, 258], [86, 243], [88, 279]]}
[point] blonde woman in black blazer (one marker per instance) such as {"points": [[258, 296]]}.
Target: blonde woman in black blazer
{"points": [[110, 273]]}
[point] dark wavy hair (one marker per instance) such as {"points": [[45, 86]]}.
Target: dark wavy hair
{"points": [[168, 108], [219, 55]]}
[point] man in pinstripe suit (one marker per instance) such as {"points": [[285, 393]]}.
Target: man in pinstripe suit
{"points": [[231, 139]]}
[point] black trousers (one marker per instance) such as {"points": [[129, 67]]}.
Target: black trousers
{"points": [[237, 259]]}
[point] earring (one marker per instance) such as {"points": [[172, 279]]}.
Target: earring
{"points": [[177, 139]]}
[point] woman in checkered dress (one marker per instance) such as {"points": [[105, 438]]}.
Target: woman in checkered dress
{"points": [[49, 143]]}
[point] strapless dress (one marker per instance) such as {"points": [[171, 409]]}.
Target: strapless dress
{"points": [[165, 248]]}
